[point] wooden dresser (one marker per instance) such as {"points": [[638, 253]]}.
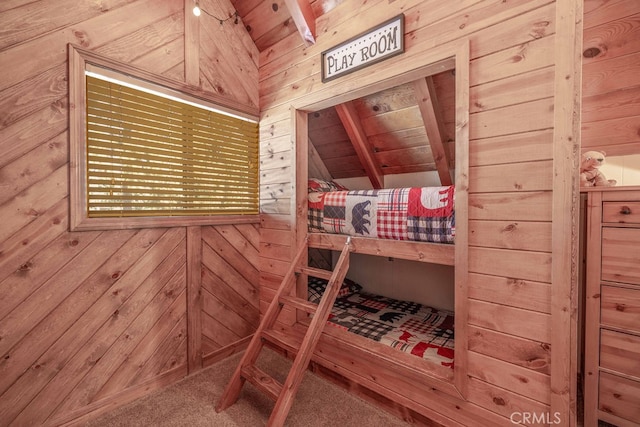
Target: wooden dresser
{"points": [[612, 307]]}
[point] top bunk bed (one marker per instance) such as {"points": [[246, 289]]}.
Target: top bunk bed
{"points": [[414, 223], [413, 123]]}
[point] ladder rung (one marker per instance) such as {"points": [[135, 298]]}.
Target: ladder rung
{"points": [[283, 394], [317, 272], [299, 303], [262, 381]]}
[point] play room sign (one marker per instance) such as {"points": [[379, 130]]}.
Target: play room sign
{"points": [[382, 42]]}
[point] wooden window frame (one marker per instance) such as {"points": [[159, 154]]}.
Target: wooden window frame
{"points": [[81, 60]]}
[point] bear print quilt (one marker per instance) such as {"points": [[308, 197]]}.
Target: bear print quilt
{"points": [[424, 214]]}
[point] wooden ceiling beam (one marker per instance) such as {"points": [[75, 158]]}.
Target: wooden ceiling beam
{"points": [[352, 124], [434, 125], [304, 18]]}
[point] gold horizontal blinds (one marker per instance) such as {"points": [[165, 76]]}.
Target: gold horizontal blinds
{"points": [[152, 156]]}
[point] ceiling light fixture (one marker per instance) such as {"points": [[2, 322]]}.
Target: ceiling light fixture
{"points": [[197, 11]]}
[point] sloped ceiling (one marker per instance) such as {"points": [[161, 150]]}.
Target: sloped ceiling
{"points": [[394, 131], [269, 21], [408, 128]]}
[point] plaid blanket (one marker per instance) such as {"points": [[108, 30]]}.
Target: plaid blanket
{"points": [[423, 214], [407, 326]]}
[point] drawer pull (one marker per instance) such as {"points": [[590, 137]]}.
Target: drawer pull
{"points": [[625, 210], [620, 307]]}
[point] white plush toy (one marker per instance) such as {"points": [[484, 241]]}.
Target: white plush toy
{"points": [[590, 175]]}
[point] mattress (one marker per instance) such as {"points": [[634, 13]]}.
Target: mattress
{"points": [[424, 214], [407, 326]]}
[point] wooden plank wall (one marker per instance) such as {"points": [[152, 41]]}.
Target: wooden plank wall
{"points": [[511, 175], [229, 287], [611, 86], [89, 320]]}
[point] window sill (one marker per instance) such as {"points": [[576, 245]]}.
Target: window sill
{"points": [[93, 224]]}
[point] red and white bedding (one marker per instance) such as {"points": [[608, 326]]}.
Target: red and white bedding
{"points": [[423, 214], [410, 327]]}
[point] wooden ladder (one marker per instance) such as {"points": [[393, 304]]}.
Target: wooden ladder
{"points": [[283, 394]]}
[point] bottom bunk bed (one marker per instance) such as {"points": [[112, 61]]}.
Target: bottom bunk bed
{"points": [[410, 327]]}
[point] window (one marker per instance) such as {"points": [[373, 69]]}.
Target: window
{"points": [[147, 152]]}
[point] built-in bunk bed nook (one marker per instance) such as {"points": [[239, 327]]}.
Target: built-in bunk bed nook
{"points": [[393, 341], [393, 229]]}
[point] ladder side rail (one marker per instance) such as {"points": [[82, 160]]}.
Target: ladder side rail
{"points": [[294, 379], [232, 390]]}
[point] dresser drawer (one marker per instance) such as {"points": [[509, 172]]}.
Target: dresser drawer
{"points": [[620, 308], [620, 352], [619, 396], [621, 255], [621, 212]]}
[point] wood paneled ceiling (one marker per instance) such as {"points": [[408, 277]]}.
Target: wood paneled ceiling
{"points": [[408, 128], [270, 21]]}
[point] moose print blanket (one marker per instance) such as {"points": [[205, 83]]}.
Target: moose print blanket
{"points": [[423, 214], [407, 326]]}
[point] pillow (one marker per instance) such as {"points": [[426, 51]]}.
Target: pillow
{"points": [[316, 287], [316, 185]]}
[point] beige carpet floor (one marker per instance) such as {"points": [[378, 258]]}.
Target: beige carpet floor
{"points": [[191, 402]]}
